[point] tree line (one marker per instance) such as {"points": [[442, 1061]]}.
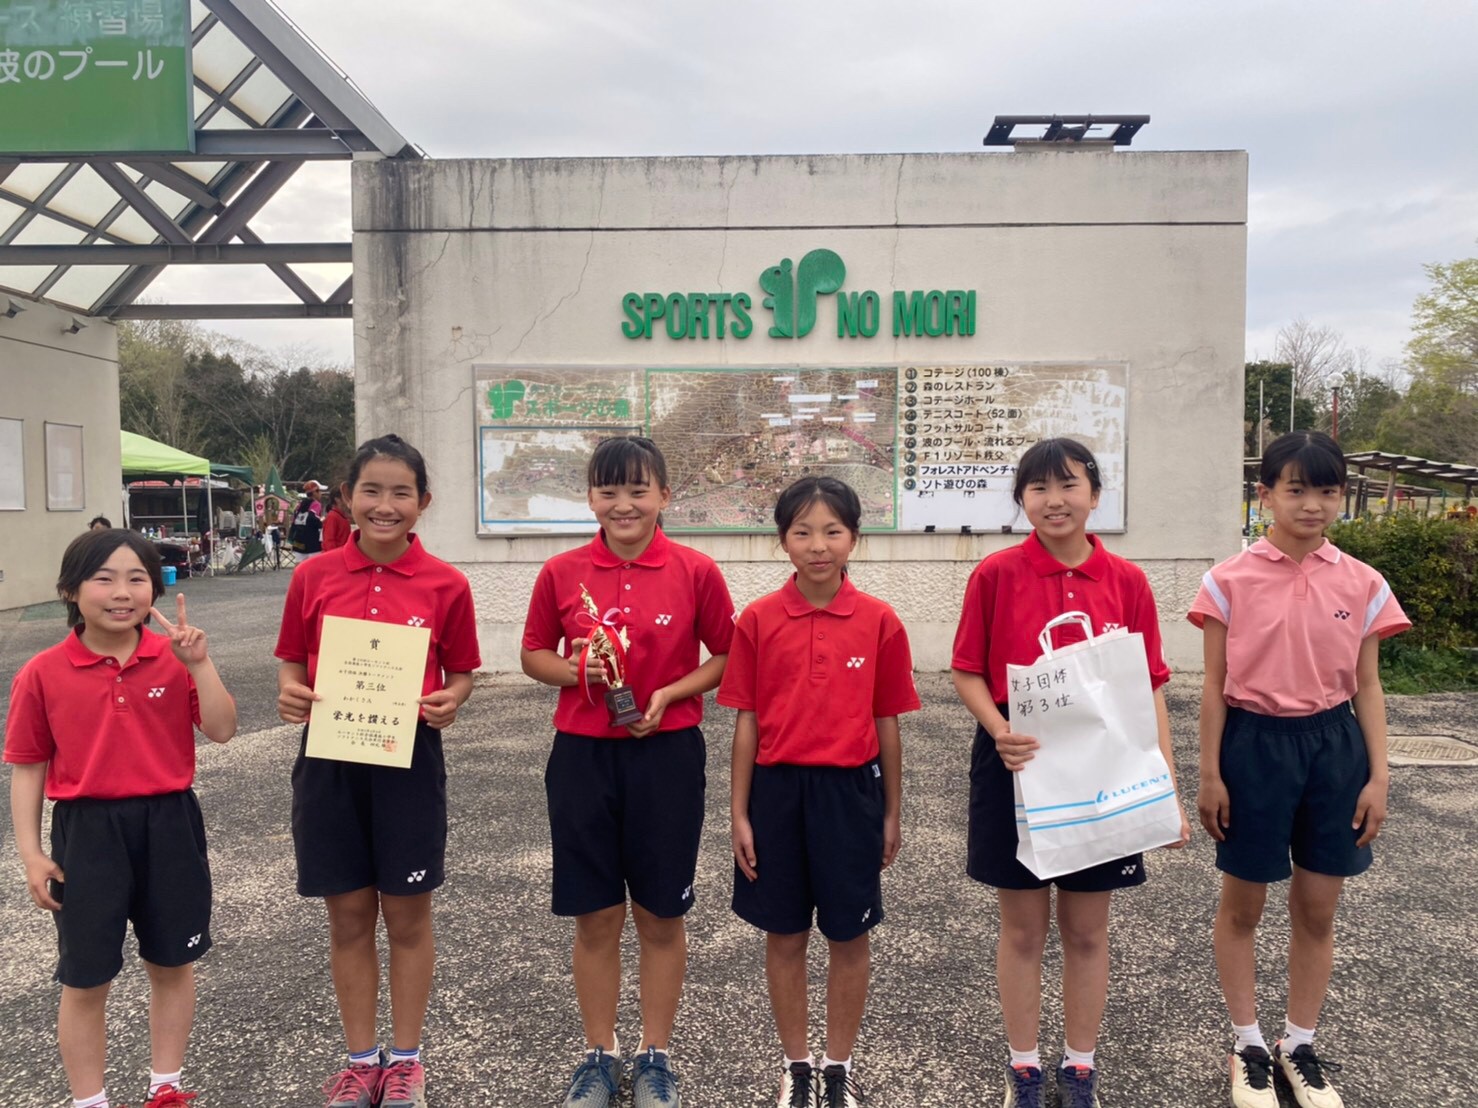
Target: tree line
{"points": [[234, 403], [1424, 405]]}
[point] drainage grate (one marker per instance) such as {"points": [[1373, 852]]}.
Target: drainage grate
{"points": [[1431, 750]]}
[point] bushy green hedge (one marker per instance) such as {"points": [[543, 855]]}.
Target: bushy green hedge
{"points": [[1432, 565]]}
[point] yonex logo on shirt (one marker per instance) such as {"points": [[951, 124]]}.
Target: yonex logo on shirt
{"points": [[1107, 627], [415, 621], [155, 694], [1341, 614], [664, 619], [416, 875], [855, 663]]}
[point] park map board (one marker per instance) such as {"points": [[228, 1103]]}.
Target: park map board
{"points": [[927, 447]]}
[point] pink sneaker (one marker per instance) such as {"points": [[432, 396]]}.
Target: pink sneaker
{"points": [[357, 1086], [403, 1086]]}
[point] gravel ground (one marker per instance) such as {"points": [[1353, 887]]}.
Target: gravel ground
{"points": [[503, 1029]]}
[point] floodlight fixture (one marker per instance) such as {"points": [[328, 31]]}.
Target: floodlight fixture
{"points": [[12, 309], [73, 327]]}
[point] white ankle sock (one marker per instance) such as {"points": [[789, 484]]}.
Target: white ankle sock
{"points": [[1032, 1057], [99, 1101], [1083, 1059], [370, 1057], [1295, 1036], [1250, 1035], [809, 1059], [397, 1055], [158, 1080], [615, 1051], [827, 1061]]}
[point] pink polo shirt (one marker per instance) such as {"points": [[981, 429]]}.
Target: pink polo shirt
{"points": [[1294, 629]]}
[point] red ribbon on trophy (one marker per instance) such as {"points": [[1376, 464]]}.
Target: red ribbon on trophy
{"points": [[607, 644]]}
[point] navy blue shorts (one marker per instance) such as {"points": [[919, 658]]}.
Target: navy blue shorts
{"points": [[1294, 784], [141, 859], [357, 826], [626, 814], [818, 847], [991, 858]]}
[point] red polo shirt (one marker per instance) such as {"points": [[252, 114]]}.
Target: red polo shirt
{"points": [[108, 731], [335, 530], [818, 679], [415, 589], [1014, 593], [670, 598]]}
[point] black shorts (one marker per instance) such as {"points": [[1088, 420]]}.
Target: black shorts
{"points": [[818, 847], [1294, 784], [626, 814], [356, 826], [993, 838], [141, 859]]}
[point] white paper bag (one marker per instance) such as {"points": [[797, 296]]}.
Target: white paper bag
{"points": [[1098, 788]]}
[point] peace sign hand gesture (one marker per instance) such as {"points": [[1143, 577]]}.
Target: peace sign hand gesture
{"points": [[188, 643]]}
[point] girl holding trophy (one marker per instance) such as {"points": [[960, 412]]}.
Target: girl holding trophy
{"points": [[625, 779]]}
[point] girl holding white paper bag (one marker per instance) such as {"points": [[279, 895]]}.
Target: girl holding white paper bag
{"points": [[1011, 596]]}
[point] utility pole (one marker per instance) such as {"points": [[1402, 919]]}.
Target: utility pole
{"points": [[1262, 413]]}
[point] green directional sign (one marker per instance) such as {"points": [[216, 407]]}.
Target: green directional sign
{"points": [[95, 76]]}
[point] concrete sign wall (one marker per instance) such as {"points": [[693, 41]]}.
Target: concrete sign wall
{"points": [[467, 269]]}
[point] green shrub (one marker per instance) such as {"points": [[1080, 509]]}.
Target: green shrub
{"points": [[1432, 566]]}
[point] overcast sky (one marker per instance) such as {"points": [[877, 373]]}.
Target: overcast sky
{"points": [[1357, 115]]}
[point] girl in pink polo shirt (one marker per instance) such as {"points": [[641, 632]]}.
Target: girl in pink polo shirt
{"points": [[819, 673], [1011, 595], [1293, 782], [626, 794]]}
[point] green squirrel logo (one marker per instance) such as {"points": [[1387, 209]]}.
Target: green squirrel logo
{"points": [[793, 295]]}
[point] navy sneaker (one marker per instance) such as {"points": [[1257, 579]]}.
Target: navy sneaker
{"points": [[1023, 1087], [1077, 1087], [595, 1082], [653, 1084]]}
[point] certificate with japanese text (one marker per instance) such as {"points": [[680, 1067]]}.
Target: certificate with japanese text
{"points": [[369, 678]]}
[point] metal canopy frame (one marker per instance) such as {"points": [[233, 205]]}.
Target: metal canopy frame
{"points": [[176, 208], [1066, 128]]}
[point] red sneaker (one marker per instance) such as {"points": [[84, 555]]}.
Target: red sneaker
{"points": [[354, 1087]]}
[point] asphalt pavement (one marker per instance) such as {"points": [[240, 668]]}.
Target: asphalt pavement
{"points": [[503, 1029]]}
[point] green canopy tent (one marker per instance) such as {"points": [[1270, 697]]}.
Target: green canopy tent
{"points": [[147, 460]]}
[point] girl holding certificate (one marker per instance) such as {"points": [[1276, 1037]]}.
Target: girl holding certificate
{"points": [[625, 778], [1011, 595], [371, 839]]}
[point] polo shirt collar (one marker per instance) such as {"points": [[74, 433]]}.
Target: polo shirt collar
{"points": [[844, 603], [1327, 551], [150, 646], [406, 565], [1046, 565], [654, 555]]}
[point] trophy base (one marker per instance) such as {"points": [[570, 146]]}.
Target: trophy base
{"points": [[621, 704]]}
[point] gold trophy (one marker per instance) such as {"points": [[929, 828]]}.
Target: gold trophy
{"points": [[607, 646]]}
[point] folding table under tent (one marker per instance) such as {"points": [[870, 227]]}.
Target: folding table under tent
{"points": [[144, 459]]}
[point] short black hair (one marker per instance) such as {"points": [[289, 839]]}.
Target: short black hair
{"points": [[626, 460], [95, 520], [801, 494], [389, 446], [1309, 456], [89, 551], [1050, 458]]}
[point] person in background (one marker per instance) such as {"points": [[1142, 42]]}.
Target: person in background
{"points": [[100, 523], [336, 523]]}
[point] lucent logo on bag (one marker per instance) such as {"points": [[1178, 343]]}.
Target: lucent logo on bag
{"points": [[1129, 790]]}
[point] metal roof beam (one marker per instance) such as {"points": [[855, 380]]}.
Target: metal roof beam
{"points": [[187, 253], [155, 216], [233, 311], [182, 183], [285, 273], [344, 293], [229, 144], [264, 31]]}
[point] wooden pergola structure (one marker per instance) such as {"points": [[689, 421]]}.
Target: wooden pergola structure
{"points": [[1376, 472]]}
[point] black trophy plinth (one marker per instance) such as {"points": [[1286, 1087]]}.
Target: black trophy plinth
{"points": [[621, 703]]}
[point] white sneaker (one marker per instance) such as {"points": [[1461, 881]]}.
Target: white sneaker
{"points": [[798, 1087], [1252, 1078], [1304, 1072], [838, 1090]]}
